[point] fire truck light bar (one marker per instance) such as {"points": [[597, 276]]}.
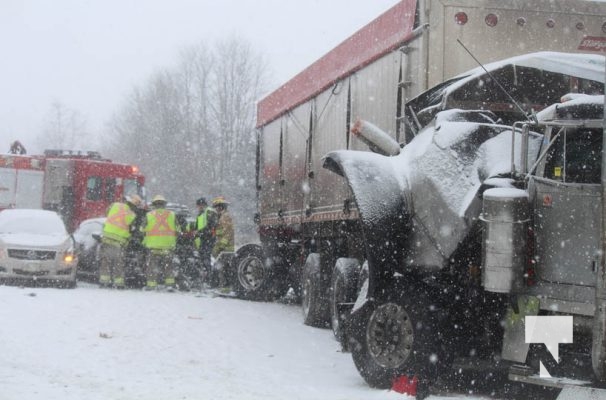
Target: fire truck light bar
{"points": [[94, 155]]}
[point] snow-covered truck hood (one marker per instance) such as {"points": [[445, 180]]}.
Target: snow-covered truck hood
{"points": [[418, 206]]}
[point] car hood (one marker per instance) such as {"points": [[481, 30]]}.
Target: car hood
{"points": [[33, 240]]}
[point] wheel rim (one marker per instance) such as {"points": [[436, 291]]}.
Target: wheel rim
{"points": [[389, 335], [251, 273]]}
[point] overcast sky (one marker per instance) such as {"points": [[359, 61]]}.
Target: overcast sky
{"points": [[88, 54]]}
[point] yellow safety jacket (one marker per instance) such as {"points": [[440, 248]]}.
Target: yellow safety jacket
{"points": [[201, 223], [160, 230], [224, 234], [117, 224]]}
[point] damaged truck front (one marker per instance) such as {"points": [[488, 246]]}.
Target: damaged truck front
{"points": [[477, 224]]}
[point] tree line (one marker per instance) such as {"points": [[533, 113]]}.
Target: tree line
{"points": [[190, 127]]}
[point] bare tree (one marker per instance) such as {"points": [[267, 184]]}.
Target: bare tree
{"points": [[191, 128], [63, 128]]}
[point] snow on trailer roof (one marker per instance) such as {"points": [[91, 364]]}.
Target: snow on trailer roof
{"points": [[387, 32], [587, 66]]}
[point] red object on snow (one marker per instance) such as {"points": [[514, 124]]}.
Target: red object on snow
{"points": [[405, 385]]}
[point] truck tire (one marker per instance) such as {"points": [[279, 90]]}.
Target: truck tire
{"points": [[343, 289], [313, 302], [255, 278], [252, 275], [399, 335]]}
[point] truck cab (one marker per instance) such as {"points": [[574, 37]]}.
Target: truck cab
{"points": [[564, 254]]}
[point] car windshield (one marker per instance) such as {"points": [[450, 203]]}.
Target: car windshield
{"points": [[31, 222]]}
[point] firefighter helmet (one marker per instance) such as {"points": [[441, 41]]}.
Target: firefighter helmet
{"points": [[158, 199], [134, 199], [220, 201]]}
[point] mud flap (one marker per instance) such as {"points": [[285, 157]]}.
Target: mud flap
{"points": [[515, 347]]}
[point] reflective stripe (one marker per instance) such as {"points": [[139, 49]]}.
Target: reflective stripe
{"points": [[151, 284], [160, 230], [161, 227], [104, 278], [119, 218], [116, 226], [119, 281], [169, 281]]}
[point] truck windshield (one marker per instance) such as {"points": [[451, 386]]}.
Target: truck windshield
{"points": [[575, 157]]}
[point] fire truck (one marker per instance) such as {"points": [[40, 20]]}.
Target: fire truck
{"points": [[77, 184]]}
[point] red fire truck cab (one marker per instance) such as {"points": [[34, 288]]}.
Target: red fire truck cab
{"points": [[78, 185]]}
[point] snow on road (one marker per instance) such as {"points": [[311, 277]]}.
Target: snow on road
{"points": [[92, 343]]}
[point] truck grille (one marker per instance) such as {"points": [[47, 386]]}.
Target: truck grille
{"points": [[31, 254]]}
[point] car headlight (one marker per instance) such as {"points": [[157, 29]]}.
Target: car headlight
{"points": [[69, 257]]}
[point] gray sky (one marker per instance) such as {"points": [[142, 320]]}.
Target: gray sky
{"points": [[88, 54]]}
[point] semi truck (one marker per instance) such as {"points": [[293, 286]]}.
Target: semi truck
{"points": [[77, 184], [475, 233], [358, 258]]}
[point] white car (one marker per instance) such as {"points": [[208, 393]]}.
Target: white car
{"points": [[36, 248], [87, 248]]}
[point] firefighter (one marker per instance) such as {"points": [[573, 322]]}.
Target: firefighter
{"points": [[160, 239], [17, 148], [225, 227], [116, 235], [205, 226]]}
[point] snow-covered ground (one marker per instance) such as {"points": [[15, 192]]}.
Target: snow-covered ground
{"points": [[91, 343]]}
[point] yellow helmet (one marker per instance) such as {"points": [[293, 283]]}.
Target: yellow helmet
{"points": [[220, 200]]}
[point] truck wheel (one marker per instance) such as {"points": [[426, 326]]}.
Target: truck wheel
{"points": [[398, 336], [343, 289], [252, 275], [255, 278], [315, 310]]}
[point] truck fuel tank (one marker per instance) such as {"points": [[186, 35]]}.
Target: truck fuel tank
{"points": [[505, 213]]}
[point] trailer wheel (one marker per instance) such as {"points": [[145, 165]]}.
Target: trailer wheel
{"points": [[398, 336], [313, 303], [343, 289], [256, 278], [252, 275]]}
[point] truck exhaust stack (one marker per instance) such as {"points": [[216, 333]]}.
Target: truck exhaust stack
{"points": [[378, 140]]}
